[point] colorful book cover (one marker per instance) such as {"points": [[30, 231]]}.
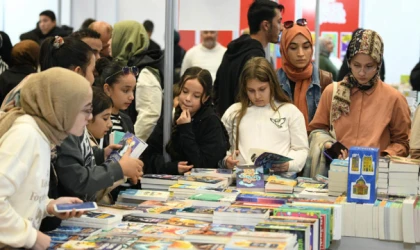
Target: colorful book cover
{"points": [[231, 228], [198, 210], [361, 186], [298, 230], [275, 179], [246, 211], [86, 245], [129, 140], [74, 230], [60, 237], [164, 232], [183, 186], [144, 194], [312, 185], [249, 177], [174, 221], [112, 238], [296, 212], [200, 179], [140, 219], [266, 198], [54, 245], [129, 225], [211, 171]]}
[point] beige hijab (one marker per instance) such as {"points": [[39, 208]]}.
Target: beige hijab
{"points": [[53, 98]]}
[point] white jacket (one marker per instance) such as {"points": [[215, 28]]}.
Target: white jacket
{"points": [[148, 104], [25, 155]]}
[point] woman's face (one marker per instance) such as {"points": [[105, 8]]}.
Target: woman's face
{"points": [[101, 124], [363, 68], [82, 118], [300, 51]]}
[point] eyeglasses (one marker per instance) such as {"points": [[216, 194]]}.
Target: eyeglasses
{"points": [[125, 70], [300, 22]]}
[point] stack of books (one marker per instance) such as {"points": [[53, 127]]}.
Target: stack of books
{"points": [[244, 216], [183, 190], [135, 196], [337, 177], [383, 172], [207, 181], [158, 181], [214, 172], [403, 176], [212, 200], [262, 240], [94, 220], [277, 184]]}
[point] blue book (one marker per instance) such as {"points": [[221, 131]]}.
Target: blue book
{"points": [[129, 140], [361, 186], [250, 177]]}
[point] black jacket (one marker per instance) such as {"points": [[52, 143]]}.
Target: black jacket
{"points": [[153, 45], [202, 143], [37, 36], [6, 49], [226, 85], [12, 77], [345, 69], [153, 60]]}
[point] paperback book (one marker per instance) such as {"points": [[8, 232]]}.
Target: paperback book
{"points": [[129, 140], [250, 178]]}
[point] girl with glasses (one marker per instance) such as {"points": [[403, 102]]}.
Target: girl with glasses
{"points": [[299, 78], [361, 110]]}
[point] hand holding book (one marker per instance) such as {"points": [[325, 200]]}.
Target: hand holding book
{"points": [[231, 160], [131, 167], [183, 167]]}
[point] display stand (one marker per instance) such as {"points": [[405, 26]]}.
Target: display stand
{"points": [[354, 243]]}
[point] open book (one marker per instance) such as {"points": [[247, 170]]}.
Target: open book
{"points": [[263, 158]]}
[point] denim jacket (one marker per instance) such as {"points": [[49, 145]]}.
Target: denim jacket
{"points": [[312, 95]]}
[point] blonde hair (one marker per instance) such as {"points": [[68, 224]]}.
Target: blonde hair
{"points": [[258, 68]]}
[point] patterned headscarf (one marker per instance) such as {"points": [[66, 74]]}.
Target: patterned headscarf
{"points": [[366, 42]]}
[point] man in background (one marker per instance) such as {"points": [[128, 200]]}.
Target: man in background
{"points": [[207, 55], [149, 26], [264, 21], [326, 48], [105, 30], [91, 38]]}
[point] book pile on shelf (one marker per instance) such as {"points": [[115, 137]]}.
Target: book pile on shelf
{"points": [[337, 177], [136, 197], [93, 219], [212, 172], [383, 172], [319, 182], [277, 184], [243, 216], [158, 181], [403, 177]]}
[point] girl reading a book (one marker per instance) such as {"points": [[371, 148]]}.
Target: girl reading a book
{"points": [[265, 119], [198, 138], [360, 110], [52, 104]]}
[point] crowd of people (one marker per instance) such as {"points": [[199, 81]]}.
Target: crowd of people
{"points": [[64, 93]]}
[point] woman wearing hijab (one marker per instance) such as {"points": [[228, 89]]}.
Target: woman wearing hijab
{"points": [[299, 77], [361, 110], [53, 104], [129, 47], [25, 57]]}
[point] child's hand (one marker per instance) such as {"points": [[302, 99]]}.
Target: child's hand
{"points": [[110, 148], [131, 167], [231, 161], [184, 118], [42, 242], [183, 167], [344, 154]]}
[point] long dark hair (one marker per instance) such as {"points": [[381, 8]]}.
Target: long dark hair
{"points": [[109, 71], [67, 52], [100, 101], [203, 76]]}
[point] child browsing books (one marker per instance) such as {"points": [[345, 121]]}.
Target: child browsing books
{"points": [[198, 138], [264, 118], [52, 104]]}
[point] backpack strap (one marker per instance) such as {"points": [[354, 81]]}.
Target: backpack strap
{"points": [[325, 78], [332, 129]]}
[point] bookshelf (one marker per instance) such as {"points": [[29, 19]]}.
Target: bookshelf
{"points": [[351, 243]]}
